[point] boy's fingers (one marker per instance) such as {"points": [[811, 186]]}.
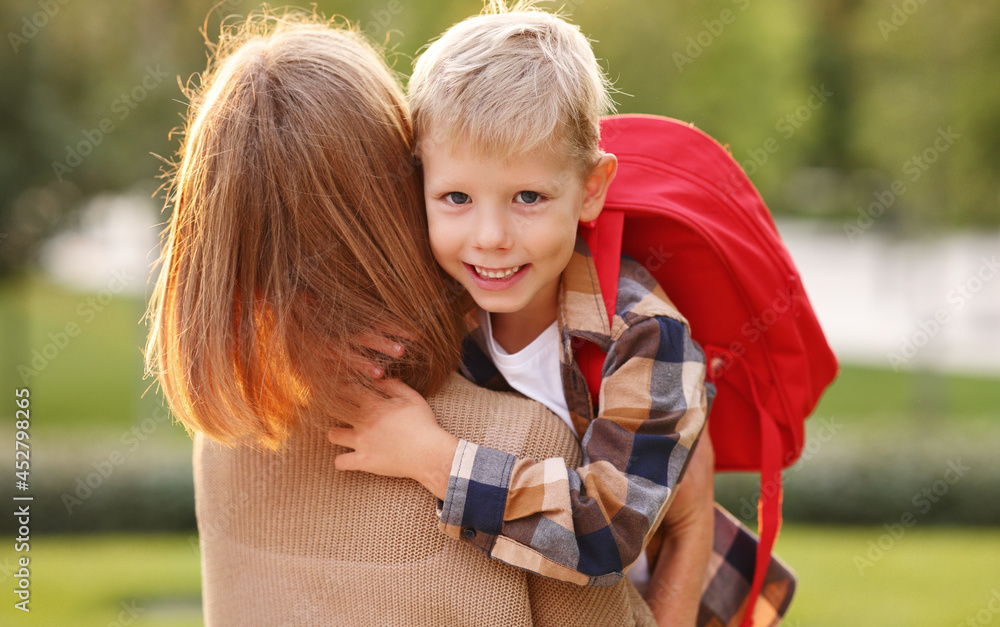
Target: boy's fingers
{"points": [[342, 436], [346, 461], [381, 343], [360, 362]]}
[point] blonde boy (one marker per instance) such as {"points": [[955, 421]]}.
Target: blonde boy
{"points": [[506, 110]]}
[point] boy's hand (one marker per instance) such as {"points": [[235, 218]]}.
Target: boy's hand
{"points": [[397, 436]]}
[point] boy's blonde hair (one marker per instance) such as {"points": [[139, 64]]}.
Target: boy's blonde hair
{"points": [[511, 81], [297, 227]]}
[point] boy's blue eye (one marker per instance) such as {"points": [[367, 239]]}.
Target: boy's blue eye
{"points": [[457, 198], [528, 198]]}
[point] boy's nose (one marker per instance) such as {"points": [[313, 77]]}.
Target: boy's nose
{"points": [[492, 229]]}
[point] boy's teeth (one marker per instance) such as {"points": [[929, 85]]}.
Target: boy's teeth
{"points": [[496, 274]]}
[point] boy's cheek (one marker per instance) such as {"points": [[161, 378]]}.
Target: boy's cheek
{"points": [[442, 257], [451, 269]]}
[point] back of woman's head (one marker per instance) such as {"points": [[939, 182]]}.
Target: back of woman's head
{"points": [[297, 228]]}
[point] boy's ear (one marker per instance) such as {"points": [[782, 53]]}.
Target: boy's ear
{"points": [[596, 187]]}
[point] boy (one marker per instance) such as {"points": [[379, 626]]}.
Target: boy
{"points": [[506, 112]]}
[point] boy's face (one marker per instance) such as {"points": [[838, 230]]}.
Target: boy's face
{"points": [[507, 230]]}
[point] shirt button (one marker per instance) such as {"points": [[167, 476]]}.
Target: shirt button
{"points": [[469, 532]]}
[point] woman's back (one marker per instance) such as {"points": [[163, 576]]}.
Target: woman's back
{"points": [[288, 540]]}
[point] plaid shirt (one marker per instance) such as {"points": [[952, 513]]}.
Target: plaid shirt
{"points": [[587, 525]]}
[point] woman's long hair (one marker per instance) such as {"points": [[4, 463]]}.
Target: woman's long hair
{"points": [[297, 227]]}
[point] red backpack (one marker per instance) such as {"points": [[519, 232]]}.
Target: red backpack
{"points": [[681, 206]]}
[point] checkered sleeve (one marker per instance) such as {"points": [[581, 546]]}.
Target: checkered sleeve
{"points": [[730, 576], [587, 525]]}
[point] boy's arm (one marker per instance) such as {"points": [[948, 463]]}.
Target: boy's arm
{"points": [[587, 525], [674, 592]]}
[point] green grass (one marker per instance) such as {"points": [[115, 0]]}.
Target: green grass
{"points": [[94, 375], [883, 396], [926, 577], [89, 381], [90, 580]]}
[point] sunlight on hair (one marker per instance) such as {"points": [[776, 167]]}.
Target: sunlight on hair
{"points": [[297, 227]]}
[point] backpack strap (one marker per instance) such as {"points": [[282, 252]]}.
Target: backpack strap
{"points": [[603, 237], [769, 504]]}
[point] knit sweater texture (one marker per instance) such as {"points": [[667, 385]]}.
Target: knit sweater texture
{"points": [[286, 539]]}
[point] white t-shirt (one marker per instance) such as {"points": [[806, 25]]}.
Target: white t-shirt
{"points": [[535, 372]]}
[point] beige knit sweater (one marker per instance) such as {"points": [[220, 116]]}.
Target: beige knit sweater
{"points": [[288, 540]]}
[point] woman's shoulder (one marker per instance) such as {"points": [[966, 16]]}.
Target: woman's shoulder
{"points": [[505, 421]]}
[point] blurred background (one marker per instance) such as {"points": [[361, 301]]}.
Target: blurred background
{"points": [[871, 128]]}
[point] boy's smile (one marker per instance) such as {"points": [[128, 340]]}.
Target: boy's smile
{"points": [[496, 279], [506, 229]]}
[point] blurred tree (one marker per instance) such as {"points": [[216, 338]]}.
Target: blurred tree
{"points": [[901, 74], [833, 64]]}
